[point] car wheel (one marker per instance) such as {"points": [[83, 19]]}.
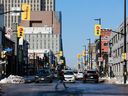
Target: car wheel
{"points": [[96, 81], [51, 81]]}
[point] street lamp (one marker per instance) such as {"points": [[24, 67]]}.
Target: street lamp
{"points": [[14, 11]]}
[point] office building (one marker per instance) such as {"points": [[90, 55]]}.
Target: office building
{"points": [[43, 33], [116, 63]]}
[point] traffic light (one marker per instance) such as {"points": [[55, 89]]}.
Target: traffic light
{"points": [[26, 12], [84, 53], [3, 54], [97, 30], [60, 53], [78, 56], [20, 30]]}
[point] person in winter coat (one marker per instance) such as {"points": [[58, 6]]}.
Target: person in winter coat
{"points": [[60, 76]]}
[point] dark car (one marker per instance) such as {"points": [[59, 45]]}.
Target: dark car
{"points": [[29, 79], [44, 75], [91, 75]]}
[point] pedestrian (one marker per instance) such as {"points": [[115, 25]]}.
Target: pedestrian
{"points": [[60, 76]]}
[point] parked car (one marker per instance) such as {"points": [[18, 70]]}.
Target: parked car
{"points": [[29, 79], [69, 76], [75, 73], [79, 75], [91, 75], [44, 75]]}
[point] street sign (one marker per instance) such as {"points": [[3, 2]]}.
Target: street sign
{"points": [[20, 31], [8, 49], [97, 30], [26, 14]]}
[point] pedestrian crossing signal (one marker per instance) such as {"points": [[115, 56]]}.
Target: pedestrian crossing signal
{"points": [[97, 30], [124, 56], [20, 31]]}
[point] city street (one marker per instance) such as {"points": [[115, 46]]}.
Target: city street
{"points": [[74, 89], [80, 42]]}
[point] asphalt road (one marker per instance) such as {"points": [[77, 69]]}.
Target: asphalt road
{"points": [[74, 89]]}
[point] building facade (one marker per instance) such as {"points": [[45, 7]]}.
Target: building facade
{"points": [[36, 5], [104, 44], [43, 31], [117, 48], [105, 34]]}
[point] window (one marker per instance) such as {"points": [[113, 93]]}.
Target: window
{"points": [[105, 44], [122, 32]]}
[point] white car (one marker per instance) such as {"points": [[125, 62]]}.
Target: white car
{"points": [[80, 75], [69, 76]]}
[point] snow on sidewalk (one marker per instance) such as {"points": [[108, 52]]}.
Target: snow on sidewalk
{"points": [[13, 79], [113, 80]]}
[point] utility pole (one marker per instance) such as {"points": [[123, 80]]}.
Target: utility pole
{"points": [[85, 55], [125, 41]]}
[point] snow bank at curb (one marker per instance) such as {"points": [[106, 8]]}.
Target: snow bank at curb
{"points": [[114, 80], [13, 79]]}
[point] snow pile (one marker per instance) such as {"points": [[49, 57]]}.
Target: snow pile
{"points": [[114, 80], [13, 79]]}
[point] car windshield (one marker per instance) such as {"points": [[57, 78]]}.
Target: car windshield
{"points": [[43, 72], [93, 72], [68, 73]]}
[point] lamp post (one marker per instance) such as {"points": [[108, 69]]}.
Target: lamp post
{"points": [[125, 61]]}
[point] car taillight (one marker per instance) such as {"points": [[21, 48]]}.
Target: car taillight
{"points": [[85, 76]]}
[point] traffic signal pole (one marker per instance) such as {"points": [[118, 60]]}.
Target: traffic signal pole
{"points": [[125, 41], [100, 53]]}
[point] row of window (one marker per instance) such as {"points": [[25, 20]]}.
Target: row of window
{"points": [[40, 36], [44, 45], [43, 41], [118, 52]]}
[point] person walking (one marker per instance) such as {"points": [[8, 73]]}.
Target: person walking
{"points": [[60, 76]]}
